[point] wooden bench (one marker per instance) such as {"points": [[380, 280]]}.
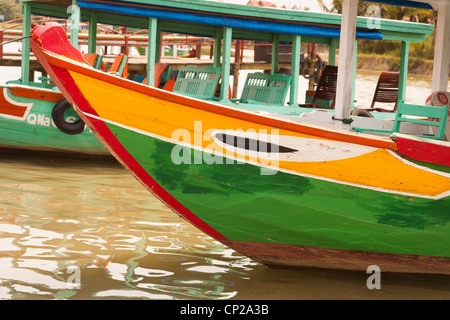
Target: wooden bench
{"points": [[197, 82], [262, 88], [424, 115]]}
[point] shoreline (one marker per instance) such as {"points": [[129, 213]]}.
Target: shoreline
{"points": [[416, 66], [379, 62]]}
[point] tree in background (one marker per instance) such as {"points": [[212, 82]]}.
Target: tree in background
{"points": [[11, 9], [423, 50], [386, 11]]}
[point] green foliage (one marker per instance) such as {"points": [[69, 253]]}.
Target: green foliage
{"points": [[424, 50], [386, 11], [11, 9], [378, 46]]}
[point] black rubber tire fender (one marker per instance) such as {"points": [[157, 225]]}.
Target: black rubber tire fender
{"points": [[60, 107], [316, 72], [361, 113]]}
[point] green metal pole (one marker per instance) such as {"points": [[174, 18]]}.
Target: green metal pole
{"points": [[404, 57], [92, 44], [295, 70], [25, 64], [75, 24], [275, 52], [152, 47], [226, 64]]}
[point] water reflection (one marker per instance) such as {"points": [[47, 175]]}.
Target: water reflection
{"points": [[59, 217], [57, 213]]}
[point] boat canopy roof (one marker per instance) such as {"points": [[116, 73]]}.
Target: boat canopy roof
{"points": [[199, 17]]}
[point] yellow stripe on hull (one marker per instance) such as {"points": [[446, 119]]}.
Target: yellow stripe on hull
{"points": [[376, 168]]}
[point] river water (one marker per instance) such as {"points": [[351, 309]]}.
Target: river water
{"points": [[92, 221], [73, 229]]}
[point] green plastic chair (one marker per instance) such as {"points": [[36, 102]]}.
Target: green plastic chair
{"points": [[262, 88], [254, 88], [198, 82], [427, 115], [420, 114], [278, 88]]}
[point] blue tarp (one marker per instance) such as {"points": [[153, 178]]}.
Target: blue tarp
{"points": [[225, 21]]}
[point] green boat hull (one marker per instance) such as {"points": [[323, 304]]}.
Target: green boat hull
{"points": [[37, 131], [285, 209]]}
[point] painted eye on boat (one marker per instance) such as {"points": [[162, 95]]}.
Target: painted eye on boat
{"points": [[252, 144]]}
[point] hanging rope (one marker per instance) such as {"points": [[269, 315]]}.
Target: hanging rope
{"points": [[18, 39]]}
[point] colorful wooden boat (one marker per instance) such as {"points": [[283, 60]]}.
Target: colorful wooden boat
{"points": [[28, 122], [34, 116], [285, 193]]}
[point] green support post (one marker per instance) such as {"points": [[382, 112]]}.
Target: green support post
{"points": [[332, 52], [226, 64], [152, 47], [158, 44], [217, 47], [404, 57], [92, 43], [25, 64], [295, 70], [75, 23], [275, 53]]}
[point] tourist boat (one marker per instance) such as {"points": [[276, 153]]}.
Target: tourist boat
{"points": [[29, 119], [35, 116], [338, 193]]}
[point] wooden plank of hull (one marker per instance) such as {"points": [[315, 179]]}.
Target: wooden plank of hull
{"points": [[280, 255], [35, 93]]}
